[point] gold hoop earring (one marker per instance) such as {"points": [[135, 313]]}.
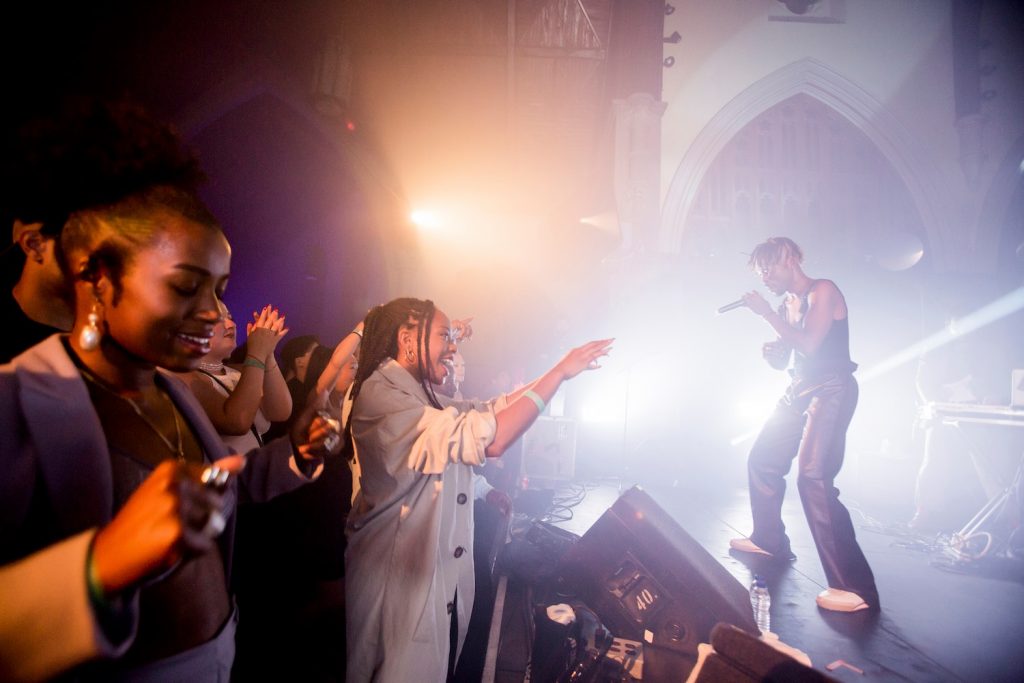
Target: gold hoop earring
{"points": [[90, 335], [410, 355]]}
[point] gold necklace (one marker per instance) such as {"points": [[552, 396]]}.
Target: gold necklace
{"points": [[179, 451]]}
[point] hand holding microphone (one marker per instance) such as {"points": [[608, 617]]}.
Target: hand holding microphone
{"points": [[731, 306], [751, 300]]}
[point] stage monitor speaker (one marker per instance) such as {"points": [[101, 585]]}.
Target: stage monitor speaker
{"points": [[650, 581]]}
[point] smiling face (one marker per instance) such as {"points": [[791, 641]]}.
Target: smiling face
{"points": [[442, 348], [224, 337], [165, 306], [439, 355]]}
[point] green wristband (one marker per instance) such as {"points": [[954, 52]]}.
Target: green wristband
{"points": [[254, 362], [96, 593], [537, 400]]}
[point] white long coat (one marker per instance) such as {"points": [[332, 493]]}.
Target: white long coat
{"points": [[410, 532]]}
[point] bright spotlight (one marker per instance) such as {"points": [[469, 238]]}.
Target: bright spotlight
{"points": [[989, 313], [425, 219]]}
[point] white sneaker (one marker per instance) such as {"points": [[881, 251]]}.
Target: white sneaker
{"points": [[838, 600]]}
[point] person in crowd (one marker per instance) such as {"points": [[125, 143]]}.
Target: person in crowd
{"points": [[295, 354], [89, 153], [56, 615], [86, 417], [241, 402], [339, 373], [809, 424], [408, 567], [292, 592]]}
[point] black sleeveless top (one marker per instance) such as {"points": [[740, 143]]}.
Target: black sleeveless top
{"points": [[833, 356]]}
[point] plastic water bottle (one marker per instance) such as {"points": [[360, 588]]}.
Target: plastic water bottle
{"points": [[761, 603]]}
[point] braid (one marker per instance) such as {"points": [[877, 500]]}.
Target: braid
{"points": [[427, 316], [380, 342]]}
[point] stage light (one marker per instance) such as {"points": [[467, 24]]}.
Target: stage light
{"points": [[607, 222], [987, 314], [425, 219], [754, 410]]}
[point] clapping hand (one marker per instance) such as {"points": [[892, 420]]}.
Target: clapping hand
{"points": [[264, 332]]}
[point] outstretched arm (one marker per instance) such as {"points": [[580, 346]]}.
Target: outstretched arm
{"points": [[522, 410]]}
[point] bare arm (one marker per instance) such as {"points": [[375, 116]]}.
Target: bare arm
{"points": [[263, 335], [824, 303], [332, 374], [521, 412], [277, 400], [232, 414]]}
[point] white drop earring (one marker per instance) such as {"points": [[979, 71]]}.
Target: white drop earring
{"points": [[89, 336]]}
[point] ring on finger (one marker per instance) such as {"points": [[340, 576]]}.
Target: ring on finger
{"points": [[332, 441], [214, 477], [215, 524], [332, 423]]}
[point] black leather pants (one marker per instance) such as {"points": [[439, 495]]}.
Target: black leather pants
{"points": [[810, 424]]}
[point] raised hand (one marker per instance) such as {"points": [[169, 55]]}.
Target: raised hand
{"points": [[264, 333], [584, 358], [462, 330]]}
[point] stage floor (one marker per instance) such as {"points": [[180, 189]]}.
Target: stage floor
{"points": [[935, 624]]}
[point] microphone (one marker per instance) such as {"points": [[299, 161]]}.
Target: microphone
{"points": [[731, 306]]}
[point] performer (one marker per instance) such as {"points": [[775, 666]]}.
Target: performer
{"points": [[809, 422]]}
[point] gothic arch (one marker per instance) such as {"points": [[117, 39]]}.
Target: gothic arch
{"points": [[817, 80]]}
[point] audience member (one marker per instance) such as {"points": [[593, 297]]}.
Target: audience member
{"points": [[295, 354], [409, 580], [85, 418], [69, 603], [89, 154], [241, 402]]}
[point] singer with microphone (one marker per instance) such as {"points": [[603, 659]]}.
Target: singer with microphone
{"points": [[809, 423]]}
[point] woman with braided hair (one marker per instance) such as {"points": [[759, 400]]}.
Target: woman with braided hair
{"points": [[409, 563]]}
